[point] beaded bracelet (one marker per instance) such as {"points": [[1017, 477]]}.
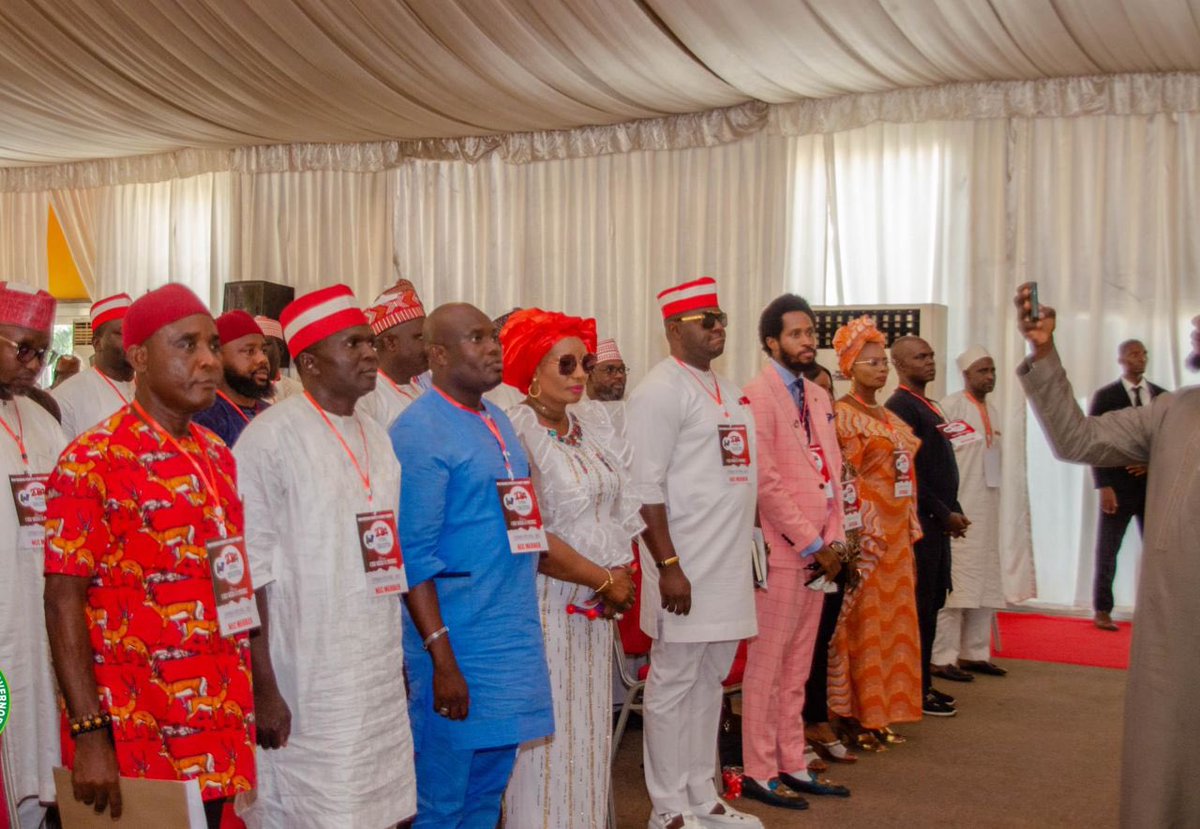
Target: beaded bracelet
{"points": [[90, 722]]}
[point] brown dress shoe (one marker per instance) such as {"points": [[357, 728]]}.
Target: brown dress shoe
{"points": [[1104, 622]]}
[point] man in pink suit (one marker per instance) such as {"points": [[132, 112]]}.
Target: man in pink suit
{"points": [[799, 484]]}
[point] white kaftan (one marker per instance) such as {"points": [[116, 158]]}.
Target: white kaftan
{"points": [[387, 401], [975, 559], [561, 781], [88, 398], [31, 744], [672, 421], [336, 648]]}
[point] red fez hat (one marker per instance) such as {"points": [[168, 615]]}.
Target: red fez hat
{"points": [[690, 296], [235, 324], [110, 308], [323, 313], [26, 306], [530, 334], [158, 309]]}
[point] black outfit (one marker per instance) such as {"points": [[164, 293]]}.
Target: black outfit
{"points": [[937, 497], [1130, 491], [816, 689]]}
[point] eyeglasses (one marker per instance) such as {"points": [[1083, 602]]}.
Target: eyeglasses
{"points": [[26, 353], [567, 364], [875, 362], [618, 370], [708, 320]]}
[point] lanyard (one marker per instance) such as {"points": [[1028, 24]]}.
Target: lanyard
{"points": [[112, 386], [716, 384], [488, 422], [396, 386], [17, 436], [233, 405], [209, 478], [364, 476], [928, 403], [983, 413]]}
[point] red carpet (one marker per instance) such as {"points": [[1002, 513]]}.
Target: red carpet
{"points": [[1067, 640]]}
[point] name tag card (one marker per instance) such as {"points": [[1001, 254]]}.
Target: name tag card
{"points": [[959, 433], [29, 499], [522, 516], [735, 452], [851, 505], [237, 612], [902, 461], [379, 543]]}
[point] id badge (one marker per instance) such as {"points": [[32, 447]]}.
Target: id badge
{"points": [[735, 452], [379, 543], [959, 433], [522, 516], [851, 505], [29, 499], [902, 461], [237, 611], [818, 459]]}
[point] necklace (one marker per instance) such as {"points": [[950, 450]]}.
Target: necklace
{"points": [[544, 413]]}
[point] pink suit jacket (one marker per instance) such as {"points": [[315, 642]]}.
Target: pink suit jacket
{"points": [[790, 500]]}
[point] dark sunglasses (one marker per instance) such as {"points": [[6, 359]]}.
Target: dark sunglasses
{"points": [[568, 362], [708, 320], [26, 353]]}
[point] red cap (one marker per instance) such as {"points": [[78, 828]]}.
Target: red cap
{"points": [[323, 313], [26, 306], [110, 308], [690, 296], [530, 334], [158, 309], [397, 304], [235, 324]]}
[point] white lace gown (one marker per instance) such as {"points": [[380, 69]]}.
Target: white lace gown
{"points": [[561, 782]]}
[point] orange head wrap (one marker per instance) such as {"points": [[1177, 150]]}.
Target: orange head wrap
{"points": [[528, 336], [851, 338]]}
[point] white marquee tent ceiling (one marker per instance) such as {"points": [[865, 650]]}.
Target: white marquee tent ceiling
{"points": [[86, 79]]}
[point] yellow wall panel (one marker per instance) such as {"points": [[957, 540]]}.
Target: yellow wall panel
{"points": [[65, 283]]}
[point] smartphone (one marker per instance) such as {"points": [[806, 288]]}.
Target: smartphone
{"points": [[1035, 311]]}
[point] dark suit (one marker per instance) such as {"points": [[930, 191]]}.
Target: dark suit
{"points": [[1131, 496]]}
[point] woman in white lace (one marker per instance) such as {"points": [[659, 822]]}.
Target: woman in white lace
{"points": [[579, 461]]}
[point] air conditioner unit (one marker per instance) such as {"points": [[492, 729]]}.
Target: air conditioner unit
{"points": [[925, 321]]}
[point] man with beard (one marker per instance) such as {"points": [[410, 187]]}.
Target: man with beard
{"points": [[396, 318], [29, 448], [1158, 764], [245, 381], [90, 396], [472, 636], [940, 514], [694, 469], [800, 508], [321, 487], [606, 383], [282, 386]]}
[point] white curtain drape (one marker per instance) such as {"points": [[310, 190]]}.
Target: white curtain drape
{"points": [[23, 223]]}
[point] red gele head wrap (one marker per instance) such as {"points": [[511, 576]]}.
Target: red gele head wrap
{"points": [[233, 325], [530, 334], [158, 309]]}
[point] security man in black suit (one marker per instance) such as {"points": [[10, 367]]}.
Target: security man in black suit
{"points": [[1122, 489]]}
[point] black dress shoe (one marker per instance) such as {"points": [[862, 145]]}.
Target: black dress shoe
{"points": [[946, 698], [813, 786], [934, 707], [951, 672], [980, 666], [777, 795]]}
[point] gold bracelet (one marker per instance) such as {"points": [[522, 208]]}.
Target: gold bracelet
{"points": [[607, 584], [667, 562]]}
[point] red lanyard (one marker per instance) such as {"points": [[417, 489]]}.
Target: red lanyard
{"points": [[928, 403], [364, 476], [112, 386], [393, 384], [208, 478], [983, 413], [19, 435], [488, 422], [703, 385], [233, 405]]}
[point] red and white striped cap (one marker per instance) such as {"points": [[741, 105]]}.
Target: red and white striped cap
{"points": [[270, 327], [699, 293], [109, 309], [323, 313]]}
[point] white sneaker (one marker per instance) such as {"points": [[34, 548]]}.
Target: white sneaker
{"points": [[730, 817], [661, 821]]}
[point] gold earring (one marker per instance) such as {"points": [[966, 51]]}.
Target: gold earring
{"points": [[532, 393]]}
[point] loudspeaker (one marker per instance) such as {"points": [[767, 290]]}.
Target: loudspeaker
{"points": [[258, 297]]}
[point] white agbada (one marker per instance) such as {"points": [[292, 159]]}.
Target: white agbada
{"points": [[31, 743], [672, 420], [285, 387], [88, 398], [975, 560], [388, 401], [336, 649]]}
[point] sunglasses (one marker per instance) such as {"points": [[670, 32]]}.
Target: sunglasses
{"points": [[708, 320], [26, 353], [568, 362]]}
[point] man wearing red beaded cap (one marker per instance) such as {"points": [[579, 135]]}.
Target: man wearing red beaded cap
{"points": [[396, 319], [322, 486], [245, 380], [694, 470], [94, 394], [155, 683], [29, 447]]}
